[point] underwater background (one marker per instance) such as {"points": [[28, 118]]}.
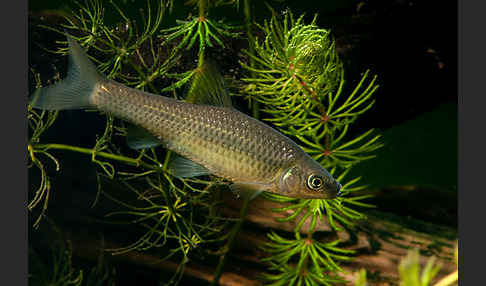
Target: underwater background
{"points": [[409, 46]]}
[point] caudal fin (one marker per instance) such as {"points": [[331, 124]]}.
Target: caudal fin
{"points": [[75, 90]]}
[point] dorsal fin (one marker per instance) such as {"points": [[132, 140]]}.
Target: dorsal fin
{"points": [[208, 87]]}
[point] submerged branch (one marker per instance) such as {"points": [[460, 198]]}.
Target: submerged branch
{"points": [[89, 248]]}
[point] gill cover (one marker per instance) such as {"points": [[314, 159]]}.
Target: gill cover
{"points": [[308, 180]]}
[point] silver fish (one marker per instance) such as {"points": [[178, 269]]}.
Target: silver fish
{"points": [[213, 139]]}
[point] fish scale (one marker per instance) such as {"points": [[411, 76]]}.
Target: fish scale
{"points": [[209, 136], [228, 143]]}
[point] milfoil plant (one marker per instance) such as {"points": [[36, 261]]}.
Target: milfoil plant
{"points": [[293, 80], [298, 80]]}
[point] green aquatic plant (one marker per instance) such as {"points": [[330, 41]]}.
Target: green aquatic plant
{"points": [[53, 266], [294, 80], [39, 122], [164, 207], [411, 274], [299, 81], [360, 278], [121, 46], [60, 273], [199, 29], [315, 263], [409, 270]]}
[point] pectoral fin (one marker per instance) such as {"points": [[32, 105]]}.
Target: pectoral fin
{"points": [[139, 138], [250, 190]]}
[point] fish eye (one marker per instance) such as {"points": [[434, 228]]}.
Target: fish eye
{"points": [[314, 182]]}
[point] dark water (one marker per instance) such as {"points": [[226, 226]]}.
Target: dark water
{"points": [[412, 48]]}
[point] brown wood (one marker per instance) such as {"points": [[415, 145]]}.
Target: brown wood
{"points": [[380, 243], [392, 240]]}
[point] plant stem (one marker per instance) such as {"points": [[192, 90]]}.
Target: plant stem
{"points": [[251, 47], [202, 5], [200, 62], [305, 264], [120, 158], [229, 243], [144, 78]]}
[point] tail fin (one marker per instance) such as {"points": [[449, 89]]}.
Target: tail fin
{"points": [[75, 90]]}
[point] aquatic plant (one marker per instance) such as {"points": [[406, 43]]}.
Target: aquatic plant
{"points": [[298, 79], [58, 269], [410, 274], [294, 80], [60, 272]]}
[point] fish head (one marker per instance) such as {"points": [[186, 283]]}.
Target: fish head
{"points": [[308, 180]]}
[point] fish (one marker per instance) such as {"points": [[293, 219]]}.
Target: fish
{"points": [[209, 135]]}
